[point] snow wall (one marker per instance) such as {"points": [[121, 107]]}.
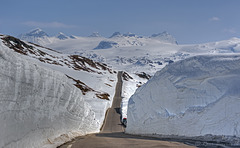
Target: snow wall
{"points": [[193, 97], [38, 105]]}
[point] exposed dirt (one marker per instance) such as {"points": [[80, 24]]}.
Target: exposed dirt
{"points": [[126, 76], [104, 96], [17, 45], [83, 63], [108, 84], [82, 86], [143, 75], [75, 62], [44, 47]]}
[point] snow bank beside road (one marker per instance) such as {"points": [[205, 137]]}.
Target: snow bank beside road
{"points": [[193, 97], [38, 105], [128, 88]]}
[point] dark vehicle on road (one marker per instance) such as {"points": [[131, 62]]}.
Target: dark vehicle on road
{"points": [[124, 122]]}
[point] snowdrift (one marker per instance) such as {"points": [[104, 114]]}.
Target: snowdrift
{"points": [[192, 97], [38, 104], [47, 98]]}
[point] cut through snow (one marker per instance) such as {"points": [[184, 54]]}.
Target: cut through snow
{"points": [[193, 97]]}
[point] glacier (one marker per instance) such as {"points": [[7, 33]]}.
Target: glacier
{"points": [[197, 96]]}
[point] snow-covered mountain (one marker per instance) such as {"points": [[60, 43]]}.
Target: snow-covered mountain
{"points": [[136, 54], [197, 96], [48, 97], [116, 40], [149, 52], [72, 37], [165, 37], [130, 34], [35, 36], [62, 36], [36, 33], [95, 34], [38, 36], [106, 45], [116, 34], [130, 39]]}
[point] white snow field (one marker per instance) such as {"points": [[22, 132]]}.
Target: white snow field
{"points": [[193, 97], [150, 53], [130, 52], [48, 98], [128, 88]]}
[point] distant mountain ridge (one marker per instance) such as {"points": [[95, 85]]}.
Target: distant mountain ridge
{"points": [[117, 39], [38, 36], [131, 52], [95, 34], [130, 39]]}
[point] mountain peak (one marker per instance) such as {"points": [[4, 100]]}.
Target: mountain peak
{"points": [[165, 33], [36, 30], [165, 36], [129, 34], [35, 36], [37, 33], [62, 36], [72, 37], [116, 34], [95, 34], [60, 33]]}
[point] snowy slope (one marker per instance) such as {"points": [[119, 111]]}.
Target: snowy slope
{"points": [[133, 53], [147, 55], [192, 97], [47, 97]]}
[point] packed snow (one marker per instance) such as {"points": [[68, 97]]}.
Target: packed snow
{"points": [[128, 88], [193, 97], [40, 105]]}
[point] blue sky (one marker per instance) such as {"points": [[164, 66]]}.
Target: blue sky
{"points": [[189, 21]]}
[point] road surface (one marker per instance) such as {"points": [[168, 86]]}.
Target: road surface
{"points": [[112, 132]]}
